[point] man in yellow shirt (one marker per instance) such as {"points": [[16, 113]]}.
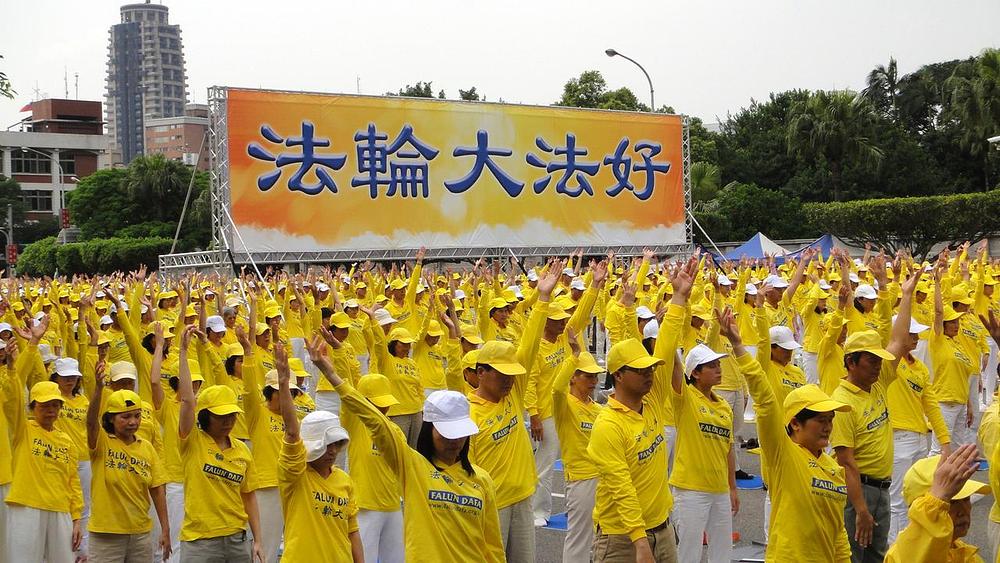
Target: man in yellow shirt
{"points": [[862, 438]]}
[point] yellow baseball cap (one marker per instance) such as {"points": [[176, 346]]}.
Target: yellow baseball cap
{"points": [[341, 320], [959, 295], [260, 329], [190, 311], [103, 338], [123, 400], [501, 356], [272, 311], [951, 314], [866, 341], [918, 478], [470, 359], [702, 312], [166, 295], [630, 353], [297, 368], [219, 400], [587, 364], [434, 329], [122, 370], [271, 379], [498, 303], [45, 391], [397, 284], [235, 349], [813, 398], [399, 334], [375, 387], [381, 299], [557, 312], [167, 329], [471, 335]]}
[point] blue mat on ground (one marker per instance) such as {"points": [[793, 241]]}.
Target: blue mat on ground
{"points": [[558, 466], [750, 484], [984, 465], [557, 522]]}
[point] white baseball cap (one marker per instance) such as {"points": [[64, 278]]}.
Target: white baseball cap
{"points": [[145, 309], [854, 278], [383, 317], [782, 336], [448, 411], [106, 320], [577, 284], [45, 351], [215, 323], [123, 370], [825, 285], [699, 355], [651, 330], [532, 275], [459, 294], [865, 291], [776, 282], [6, 326], [320, 286], [67, 367], [114, 308], [517, 291], [643, 312], [319, 430], [915, 327], [568, 272], [751, 289], [724, 280]]}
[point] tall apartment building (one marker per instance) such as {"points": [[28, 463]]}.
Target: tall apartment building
{"points": [[146, 77]]}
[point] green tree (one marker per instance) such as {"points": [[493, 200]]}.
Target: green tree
{"points": [[883, 89], [101, 204], [705, 178], [6, 90], [974, 93], [469, 95], [418, 90], [158, 179], [747, 209], [703, 145], [590, 90], [836, 127], [10, 193]]}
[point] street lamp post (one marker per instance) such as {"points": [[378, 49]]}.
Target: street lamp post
{"points": [[613, 53], [62, 193]]}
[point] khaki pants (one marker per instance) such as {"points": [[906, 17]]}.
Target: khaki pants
{"points": [[410, 424], [517, 529], [237, 548], [119, 548], [580, 519], [620, 549]]}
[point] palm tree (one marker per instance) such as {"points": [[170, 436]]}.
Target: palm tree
{"points": [[155, 179], [883, 89], [835, 126], [974, 91], [705, 179]]}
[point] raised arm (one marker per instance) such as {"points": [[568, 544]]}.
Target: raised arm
{"points": [[94, 408], [185, 390], [285, 400]]}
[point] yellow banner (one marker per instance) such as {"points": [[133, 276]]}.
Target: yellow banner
{"points": [[315, 172]]}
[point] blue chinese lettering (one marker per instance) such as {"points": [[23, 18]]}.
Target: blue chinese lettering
{"points": [[570, 167], [483, 154], [622, 167], [306, 160], [408, 178]]}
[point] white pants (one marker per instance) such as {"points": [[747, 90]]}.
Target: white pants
{"points": [[175, 515], [364, 360], [517, 530], [954, 419], [990, 375], [83, 470], [272, 522], [810, 365], [922, 353], [546, 453], [670, 435], [38, 535], [580, 497], [328, 401], [697, 513], [767, 515], [993, 535], [382, 535], [4, 489], [908, 448]]}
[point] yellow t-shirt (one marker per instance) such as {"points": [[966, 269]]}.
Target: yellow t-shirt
{"points": [[928, 537], [952, 367], [214, 481], [574, 422], [503, 446], [430, 364], [267, 431], [39, 452], [808, 494], [169, 417], [320, 512], [345, 362], [119, 494], [538, 395], [865, 428], [73, 421], [912, 401], [375, 483], [704, 439], [304, 405], [404, 379], [451, 516]]}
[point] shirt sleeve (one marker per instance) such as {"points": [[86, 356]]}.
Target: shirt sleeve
{"points": [[157, 470], [291, 460], [928, 535], [493, 551], [843, 430]]}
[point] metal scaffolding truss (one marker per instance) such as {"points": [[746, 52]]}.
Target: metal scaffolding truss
{"points": [[225, 235]]}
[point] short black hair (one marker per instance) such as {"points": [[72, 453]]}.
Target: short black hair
{"points": [[203, 417], [326, 312], [231, 364], [107, 424], [425, 447], [854, 357], [802, 416], [77, 389]]}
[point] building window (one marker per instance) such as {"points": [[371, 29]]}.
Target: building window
{"points": [[29, 162], [37, 200]]}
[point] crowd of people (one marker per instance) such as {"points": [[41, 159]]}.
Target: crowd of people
{"points": [[417, 412]]}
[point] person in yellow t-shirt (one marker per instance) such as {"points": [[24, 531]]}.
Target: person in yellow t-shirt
{"points": [[952, 367], [128, 473], [808, 491], [574, 411], [73, 421], [938, 490], [863, 439], [219, 473], [42, 514], [392, 359], [451, 505], [318, 499]]}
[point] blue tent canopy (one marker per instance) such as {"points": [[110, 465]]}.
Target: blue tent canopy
{"points": [[759, 246]]}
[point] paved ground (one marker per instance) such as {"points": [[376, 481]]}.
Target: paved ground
{"points": [[749, 522]]}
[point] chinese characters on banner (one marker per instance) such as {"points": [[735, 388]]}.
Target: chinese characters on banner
{"points": [[329, 172]]}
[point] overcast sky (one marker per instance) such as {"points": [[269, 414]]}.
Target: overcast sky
{"points": [[705, 58]]}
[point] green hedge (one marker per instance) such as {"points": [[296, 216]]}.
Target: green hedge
{"points": [[45, 257], [916, 223]]}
